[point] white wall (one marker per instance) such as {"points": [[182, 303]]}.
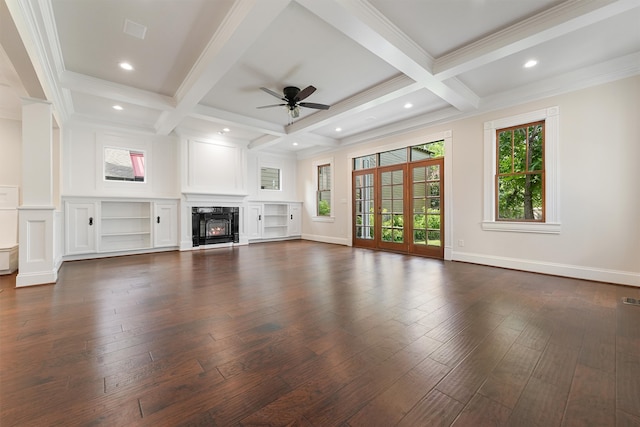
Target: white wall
{"points": [[10, 152], [598, 186], [82, 169]]}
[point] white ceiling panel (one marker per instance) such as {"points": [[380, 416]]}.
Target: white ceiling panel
{"points": [[93, 42]]}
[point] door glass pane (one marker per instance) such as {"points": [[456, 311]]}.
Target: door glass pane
{"points": [[364, 206], [426, 206], [392, 203]]}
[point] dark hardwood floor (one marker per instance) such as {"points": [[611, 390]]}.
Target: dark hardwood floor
{"points": [[307, 334]]}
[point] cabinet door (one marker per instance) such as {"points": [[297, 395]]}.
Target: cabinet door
{"points": [[295, 219], [255, 221], [165, 224], [80, 226]]}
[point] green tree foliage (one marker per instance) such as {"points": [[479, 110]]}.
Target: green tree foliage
{"points": [[323, 208], [520, 173]]}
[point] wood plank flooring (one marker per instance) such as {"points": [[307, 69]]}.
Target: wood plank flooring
{"points": [[299, 333]]}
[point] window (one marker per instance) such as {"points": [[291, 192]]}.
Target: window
{"points": [[324, 204], [393, 157], [520, 174], [429, 150], [365, 162], [324, 190], [269, 178], [121, 164]]}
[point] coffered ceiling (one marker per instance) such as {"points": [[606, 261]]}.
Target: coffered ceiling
{"points": [[198, 65]]}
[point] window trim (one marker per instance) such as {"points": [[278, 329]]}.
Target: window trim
{"points": [[315, 217], [552, 224]]}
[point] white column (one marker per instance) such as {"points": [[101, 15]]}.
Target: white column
{"points": [[36, 213]]}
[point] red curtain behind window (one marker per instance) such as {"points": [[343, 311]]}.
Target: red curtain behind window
{"points": [[137, 160]]}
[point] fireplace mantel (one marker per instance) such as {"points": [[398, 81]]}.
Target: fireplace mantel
{"points": [[202, 197]]}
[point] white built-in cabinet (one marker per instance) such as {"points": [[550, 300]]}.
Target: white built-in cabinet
{"points": [[271, 221], [105, 226], [81, 228], [165, 221], [295, 219]]}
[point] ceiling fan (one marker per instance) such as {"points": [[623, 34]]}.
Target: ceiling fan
{"points": [[292, 96]]}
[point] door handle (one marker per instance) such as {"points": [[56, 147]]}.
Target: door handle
{"points": [[259, 217], [158, 220], [90, 220], [291, 216]]}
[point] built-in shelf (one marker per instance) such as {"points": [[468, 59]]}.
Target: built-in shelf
{"points": [[125, 225], [273, 220]]}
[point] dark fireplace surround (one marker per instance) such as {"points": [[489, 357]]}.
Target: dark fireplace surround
{"points": [[213, 225]]}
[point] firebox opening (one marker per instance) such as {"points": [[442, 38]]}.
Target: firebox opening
{"points": [[215, 225]]}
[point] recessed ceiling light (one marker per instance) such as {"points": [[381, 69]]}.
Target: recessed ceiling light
{"points": [[338, 129], [118, 107], [295, 143], [126, 66], [226, 130], [530, 63], [408, 105]]}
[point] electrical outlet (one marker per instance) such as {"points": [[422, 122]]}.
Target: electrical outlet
{"points": [[460, 243]]}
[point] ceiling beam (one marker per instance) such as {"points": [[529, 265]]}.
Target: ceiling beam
{"points": [[391, 89], [115, 91], [242, 26], [557, 21], [365, 25], [268, 141], [216, 115]]}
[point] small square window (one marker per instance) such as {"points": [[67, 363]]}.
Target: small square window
{"points": [[269, 179], [121, 164]]}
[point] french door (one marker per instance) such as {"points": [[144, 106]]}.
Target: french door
{"points": [[400, 208]]}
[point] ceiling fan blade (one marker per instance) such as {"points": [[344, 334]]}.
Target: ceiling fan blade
{"points": [[313, 105], [305, 92], [270, 92], [273, 105]]}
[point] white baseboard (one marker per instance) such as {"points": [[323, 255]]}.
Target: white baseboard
{"points": [[575, 271], [325, 239], [38, 278], [96, 255]]}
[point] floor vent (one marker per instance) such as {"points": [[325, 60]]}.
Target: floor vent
{"points": [[631, 301]]}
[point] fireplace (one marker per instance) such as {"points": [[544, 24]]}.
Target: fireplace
{"points": [[215, 225]]}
